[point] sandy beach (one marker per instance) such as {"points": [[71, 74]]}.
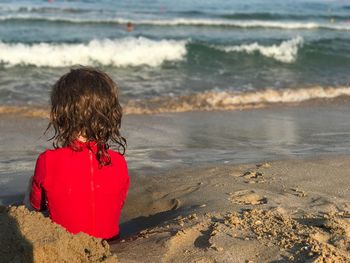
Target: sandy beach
{"points": [[236, 114], [266, 185], [282, 211]]}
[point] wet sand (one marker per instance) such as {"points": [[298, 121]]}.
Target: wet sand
{"points": [[283, 211]]}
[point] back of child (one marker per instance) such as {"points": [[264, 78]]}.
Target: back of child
{"points": [[82, 182]]}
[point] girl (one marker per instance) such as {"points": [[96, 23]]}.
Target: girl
{"points": [[82, 182]]}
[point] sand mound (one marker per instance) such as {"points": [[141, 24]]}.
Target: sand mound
{"points": [[313, 238], [30, 237]]}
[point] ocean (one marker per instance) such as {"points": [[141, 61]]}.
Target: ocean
{"points": [[191, 66], [181, 48]]}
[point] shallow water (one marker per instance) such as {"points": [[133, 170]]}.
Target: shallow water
{"points": [[166, 141]]}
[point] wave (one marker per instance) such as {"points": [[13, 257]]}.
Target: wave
{"points": [[119, 52], [281, 16], [291, 25], [45, 9], [285, 52], [49, 9], [209, 101]]}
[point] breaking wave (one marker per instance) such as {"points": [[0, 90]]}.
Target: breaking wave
{"points": [[285, 52], [119, 52], [241, 23], [209, 101]]}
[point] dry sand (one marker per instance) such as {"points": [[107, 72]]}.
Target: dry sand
{"points": [[284, 211], [30, 237]]}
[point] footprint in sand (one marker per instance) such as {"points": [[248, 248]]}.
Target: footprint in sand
{"points": [[184, 239], [252, 177], [163, 205], [191, 241], [263, 165], [298, 192], [162, 202], [247, 198]]}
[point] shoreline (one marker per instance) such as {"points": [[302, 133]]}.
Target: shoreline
{"points": [[162, 142], [212, 102]]}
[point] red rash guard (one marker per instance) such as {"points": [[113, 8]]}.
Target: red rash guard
{"points": [[81, 196]]}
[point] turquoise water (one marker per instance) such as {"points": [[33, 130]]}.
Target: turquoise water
{"points": [[176, 47]]}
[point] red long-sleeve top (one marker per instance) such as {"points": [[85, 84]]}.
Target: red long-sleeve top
{"points": [[79, 194]]}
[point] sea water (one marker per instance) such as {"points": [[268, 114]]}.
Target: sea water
{"points": [[175, 48], [181, 56]]}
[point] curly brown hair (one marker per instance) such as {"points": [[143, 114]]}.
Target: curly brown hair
{"points": [[84, 102]]}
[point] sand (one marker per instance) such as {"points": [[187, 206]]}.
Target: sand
{"points": [[30, 237], [282, 211]]}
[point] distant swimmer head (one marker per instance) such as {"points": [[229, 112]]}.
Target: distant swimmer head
{"points": [[129, 27], [85, 103]]}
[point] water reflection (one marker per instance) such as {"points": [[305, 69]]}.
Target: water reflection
{"points": [[166, 141], [248, 136]]}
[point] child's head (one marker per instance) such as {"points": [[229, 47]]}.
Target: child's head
{"points": [[84, 103]]}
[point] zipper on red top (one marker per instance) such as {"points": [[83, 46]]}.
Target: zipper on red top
{"points": [[92, 188]]}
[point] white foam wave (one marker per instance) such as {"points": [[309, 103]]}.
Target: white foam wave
{"points": [[285, 52], [28, 9], [118, 52], [277, 96], [209, 101], [291, 25], [233, 23]]}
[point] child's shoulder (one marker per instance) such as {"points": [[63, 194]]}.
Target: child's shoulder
{"points": [[42, 158], [50, 152], [116, 155]]}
